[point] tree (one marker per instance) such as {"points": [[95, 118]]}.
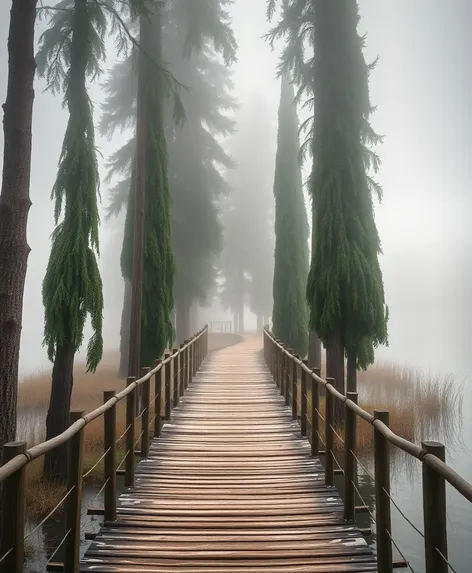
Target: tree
{"points": [[345, 289], [290, 314], [70, 53], [247, 260], [193, 42], [14, 205]]}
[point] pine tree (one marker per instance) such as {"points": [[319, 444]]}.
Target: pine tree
{"points": [[14, 205], [290, 314], [192, 45], [345, 288], [69, 55]]}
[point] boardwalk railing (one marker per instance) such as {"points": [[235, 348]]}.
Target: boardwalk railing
{"points": [[220, 326], [171, 377], [285, 368]]}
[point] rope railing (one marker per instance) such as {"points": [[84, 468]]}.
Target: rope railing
{"points": [[171, 377], [283, 365]]}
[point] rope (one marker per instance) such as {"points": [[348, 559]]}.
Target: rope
{"points": [[6, 554], [100, 491], [337, 435], [96, 463], [49, 514], [363, 501], [123, 434], [399, 551], [122, 461], [57, 549], [320, 415], [140, 415], [445, 560], [402, 514], [139, 438], [362, 466]]}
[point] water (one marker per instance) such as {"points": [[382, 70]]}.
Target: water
{"points": [[406, 491]]}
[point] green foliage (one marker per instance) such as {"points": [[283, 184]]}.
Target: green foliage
{"points": [[290, 313], [196, 156], [70, 53], [345, 288]]}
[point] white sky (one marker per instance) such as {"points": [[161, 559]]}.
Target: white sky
{"points": [[422, 89]]}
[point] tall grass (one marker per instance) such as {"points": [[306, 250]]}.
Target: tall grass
{"points": [[421, 405]]}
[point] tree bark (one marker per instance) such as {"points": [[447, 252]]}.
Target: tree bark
{"points": [[351, 382], [235, 322], [125, 331], [14, 205], [183, 320], [139, 204], [55, 462], [335, 369], [314, 351]]}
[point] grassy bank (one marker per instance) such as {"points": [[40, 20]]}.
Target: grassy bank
{"points": [[421, 406]]}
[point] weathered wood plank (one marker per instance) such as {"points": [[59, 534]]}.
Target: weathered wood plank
{"points": [[230, 486]]}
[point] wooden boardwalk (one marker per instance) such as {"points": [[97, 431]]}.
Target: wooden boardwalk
{"points": [[230, 486]]}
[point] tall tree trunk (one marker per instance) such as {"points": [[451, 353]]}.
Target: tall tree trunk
{"points": [[260, 322], [351, 382], [14, 205], [235, 322], [241, 320], [314, 351], [139, 204], [335, 369], [55, 462], [124, 330], [183, 320]]}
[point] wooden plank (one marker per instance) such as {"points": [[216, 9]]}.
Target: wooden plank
{"points": [[230, 486]]}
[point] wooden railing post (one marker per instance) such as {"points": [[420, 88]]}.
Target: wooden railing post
{"points": [[294, 388], [146, 404], [194, 358], [434, 512], [157, 400], [130, 433], [287, 376], [382, 495], [13, 513], [182, 369], [167, 397], [73, 502], [175, 382], [315, 419], [109, 445], [303, 409], [283, 366], [350, 465], [329, 434], [187, 365]]}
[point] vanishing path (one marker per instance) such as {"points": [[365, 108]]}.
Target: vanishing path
{"points": [[230, 486]]}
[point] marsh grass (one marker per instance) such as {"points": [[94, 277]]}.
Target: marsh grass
{"points": [[421, 405]]}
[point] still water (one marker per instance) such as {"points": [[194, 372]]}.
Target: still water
{"points": [[406, 480]]}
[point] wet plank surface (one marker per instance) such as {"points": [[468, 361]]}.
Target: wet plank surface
{"points": [[230, 486]]}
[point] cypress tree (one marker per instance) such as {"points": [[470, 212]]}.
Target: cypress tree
{"points": [[192, 43], [345, 288], [70, 52], [290, 313]]}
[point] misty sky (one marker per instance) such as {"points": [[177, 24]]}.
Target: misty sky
{"points": [[422, 87]]}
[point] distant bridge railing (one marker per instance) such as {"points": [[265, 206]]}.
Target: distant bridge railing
{"points": [[171, 378], [220, 326], [285, 368]]}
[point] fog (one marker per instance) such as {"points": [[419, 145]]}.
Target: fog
{"points": [[421, 86]]}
